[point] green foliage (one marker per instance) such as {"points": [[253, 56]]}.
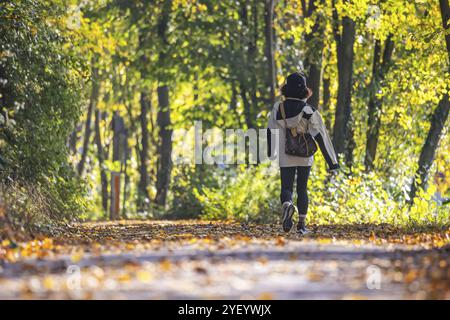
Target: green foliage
{"points": [[41, 82], [370, 198], [253, 195], [247, 194], [187, 182], [213, 59], [36, 207]]}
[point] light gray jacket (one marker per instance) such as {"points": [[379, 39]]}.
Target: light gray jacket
{"points": [[308, 120]]}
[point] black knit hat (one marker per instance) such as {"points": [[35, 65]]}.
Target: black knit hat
{"points": [[295, 86]]}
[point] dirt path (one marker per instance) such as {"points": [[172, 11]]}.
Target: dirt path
{"points": [[192, 259]]}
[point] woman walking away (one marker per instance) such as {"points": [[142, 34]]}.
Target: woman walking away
{"points": [[299, 128]]}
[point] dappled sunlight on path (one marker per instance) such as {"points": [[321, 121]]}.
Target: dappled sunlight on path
{"points": [[198, 259]]}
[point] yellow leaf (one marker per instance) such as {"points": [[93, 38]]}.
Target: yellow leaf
{"points": [[144, 276], [266, 296], [166, 265], [124, 277], [47, 243], [48, 283], [6, 243], [77, 256]]}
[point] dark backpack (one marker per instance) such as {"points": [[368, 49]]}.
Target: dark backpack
{"points": [[298, 144]]}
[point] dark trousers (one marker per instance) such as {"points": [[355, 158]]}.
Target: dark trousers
{"points": [[287, 186]]}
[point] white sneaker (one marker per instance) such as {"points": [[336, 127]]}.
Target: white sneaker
{"points": [[288, 212], [301, 225]]}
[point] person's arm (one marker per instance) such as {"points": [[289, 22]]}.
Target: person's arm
{"points": [[319, 132]]}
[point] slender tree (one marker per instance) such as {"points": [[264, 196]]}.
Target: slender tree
{"points": [[101, 161], [269, 33], [119, 154], [313, 54], [144, 152], [247, 77], [381, 64], [88, 124], [343, 131], [438, 119], [326, 100], [252, 56], [163, 117]]}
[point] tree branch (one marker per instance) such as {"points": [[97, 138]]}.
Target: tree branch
{"points": [[387, 53], [304, 9], [337, 36], [311, 7]]}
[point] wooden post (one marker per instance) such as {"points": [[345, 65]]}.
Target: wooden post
{"points": [[114, 209]]}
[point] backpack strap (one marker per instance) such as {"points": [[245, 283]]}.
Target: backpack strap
{"points": [[283, 114]]}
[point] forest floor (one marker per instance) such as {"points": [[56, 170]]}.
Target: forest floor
{"points": [[203, 260]]}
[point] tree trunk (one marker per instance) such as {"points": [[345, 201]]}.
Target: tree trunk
{"points": [[87, 127], [101, 160], [445, 12], [252, 67], [124, 171], [326, 102], [247, 76], [247, 106], [379, 70], [165, 148], [313, 54], [314, 75], [119, 155], [343, 131], [163, 118], [143, 150], [143, 153], [269, 33], [431, 143], [438, 120]]}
